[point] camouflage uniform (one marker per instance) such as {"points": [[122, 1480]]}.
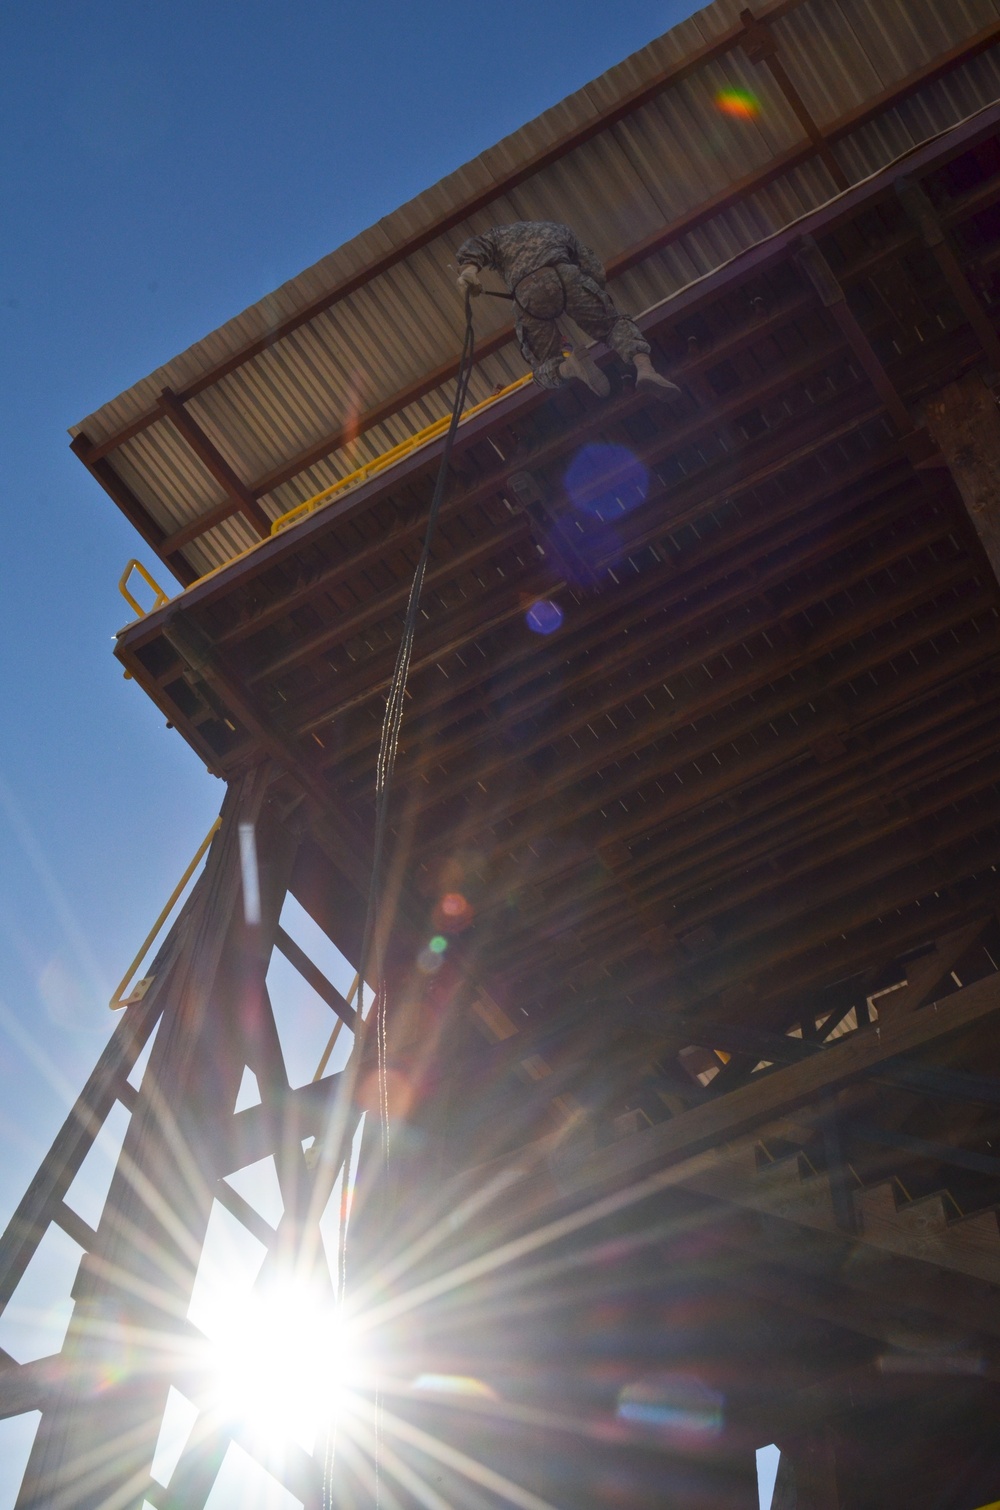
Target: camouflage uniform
{"points": [[550, 272]]}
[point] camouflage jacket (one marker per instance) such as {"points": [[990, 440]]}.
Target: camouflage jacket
{"points": [[516, 250]]}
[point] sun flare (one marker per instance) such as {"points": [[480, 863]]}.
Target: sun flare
{"points": [[280, 1359]]}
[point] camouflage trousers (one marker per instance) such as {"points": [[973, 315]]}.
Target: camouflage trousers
{"points": [[539, 300]]}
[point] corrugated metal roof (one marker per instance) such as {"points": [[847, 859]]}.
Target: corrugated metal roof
{"points": [[664, 160]]}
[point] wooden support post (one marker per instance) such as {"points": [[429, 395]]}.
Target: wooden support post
{"points": [[813, 1462], [95, 1443], [964, 421], [837, 1170], [921, 211], [824, 281]]}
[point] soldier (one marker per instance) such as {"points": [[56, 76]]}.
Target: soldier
{"points": [[549, 272]]}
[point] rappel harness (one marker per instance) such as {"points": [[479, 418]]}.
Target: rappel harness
{"points": [[552, 267]]}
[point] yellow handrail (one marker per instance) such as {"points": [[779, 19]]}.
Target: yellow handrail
{"points": [[325, 1056], [150, 581], [142, 986], [342, 485], [389, 458]]}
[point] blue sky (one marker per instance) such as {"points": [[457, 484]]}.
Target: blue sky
{"points": [[162, 168]]}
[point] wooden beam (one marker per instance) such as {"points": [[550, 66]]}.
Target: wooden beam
{"points": [[533, 806], [241, 499], [700, 569], [964, 421], [743, 1109], [315, 978], [29, 1386], [135, 512], [832, 295], [761, 47]]}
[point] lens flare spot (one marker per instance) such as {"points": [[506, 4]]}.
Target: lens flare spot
{"points": [[675, 1403], [741, 103], [393, 1092], [606, 481], [429, 963], [438, 944], [455, 1384], [544, 617], [453, 913]]}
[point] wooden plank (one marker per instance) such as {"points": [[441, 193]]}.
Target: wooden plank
{"points": [[785, 1089]]}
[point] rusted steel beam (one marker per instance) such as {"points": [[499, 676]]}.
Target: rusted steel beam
{"points": [[241, 498], [760, 47]]}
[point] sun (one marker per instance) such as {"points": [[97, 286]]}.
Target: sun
{"points": [[280, 1360]]}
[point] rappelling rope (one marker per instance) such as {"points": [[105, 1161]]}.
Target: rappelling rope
{"points": [[384, 771], [392, 722]]}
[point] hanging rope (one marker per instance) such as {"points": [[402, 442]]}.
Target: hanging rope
{"points": [[384, 772], [392, 722]]}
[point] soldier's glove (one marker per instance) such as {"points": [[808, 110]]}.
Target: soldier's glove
{"points": [[468, 280]]}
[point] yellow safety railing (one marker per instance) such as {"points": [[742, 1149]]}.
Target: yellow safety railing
{"points": [[142, 986], [309, 506], [389, 458], [150, 581]]}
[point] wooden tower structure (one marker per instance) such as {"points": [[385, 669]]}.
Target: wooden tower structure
{"points": [[692, 1064]]}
